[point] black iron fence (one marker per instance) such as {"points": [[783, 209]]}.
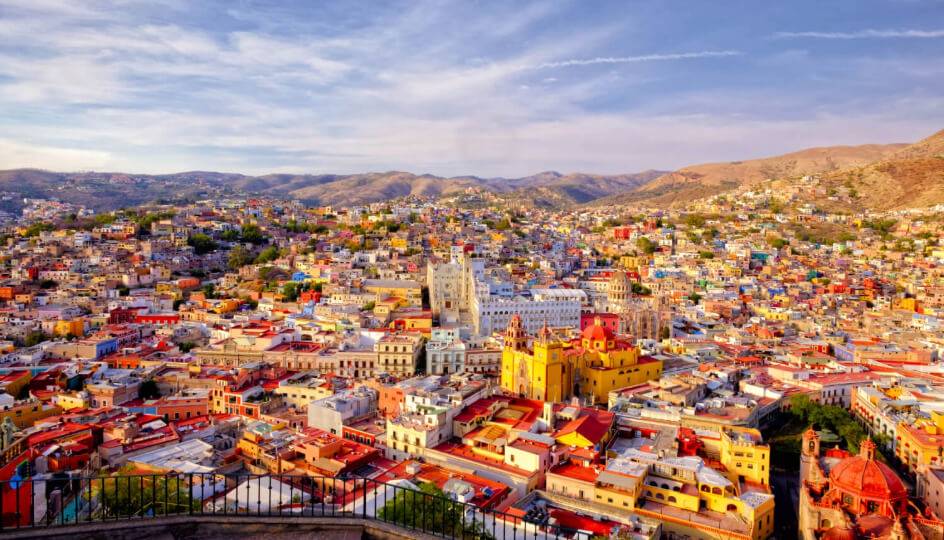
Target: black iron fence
{"points": [[63, 500]]}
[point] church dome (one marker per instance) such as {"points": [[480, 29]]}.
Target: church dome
{"points": [[865, 477], [597, 332], [619, 278]]}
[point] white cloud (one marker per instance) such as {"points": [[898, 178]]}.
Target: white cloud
{"points": [[15, 154], [865, 34], [390, 91], [635, 59]]}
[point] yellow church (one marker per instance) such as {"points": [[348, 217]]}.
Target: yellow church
{"points": [[555, 370]]}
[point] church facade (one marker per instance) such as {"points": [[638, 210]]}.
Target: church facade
{"points": [[844, 496], [590, 367]]}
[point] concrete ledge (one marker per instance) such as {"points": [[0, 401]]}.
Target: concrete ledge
{"points": [[225, 527]]}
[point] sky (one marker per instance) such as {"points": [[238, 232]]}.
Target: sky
{"points": [[503, 88]]}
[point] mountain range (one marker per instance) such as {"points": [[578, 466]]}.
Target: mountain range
{"points": [[885, 176]]}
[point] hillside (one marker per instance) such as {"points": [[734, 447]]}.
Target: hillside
{"points": [[912, 176], [697, 181], [553, 190], [881, 176], [106, 191]]}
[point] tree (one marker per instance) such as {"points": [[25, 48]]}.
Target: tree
{"points": [[239, 256], [128, 494], [201, 243], [431, 510], [831, 417], [229, 235], [290, 291], [268, 254], [777, 242], [209, 290], [640, 289], [38, 227], [34, 338], [646, 245], [252, 233], [149, 390], [186, 346], [695, 221]]}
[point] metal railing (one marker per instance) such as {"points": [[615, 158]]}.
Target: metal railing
{"points": [[58, 501]]}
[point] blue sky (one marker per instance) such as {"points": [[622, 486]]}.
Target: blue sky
{"points": [[466, 87]]}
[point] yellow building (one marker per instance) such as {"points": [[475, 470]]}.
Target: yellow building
{"points": [[606, 363], [553, 370], [72, 327], [27, 412], [72, 400], [745, 456], [921, 444], [14, 381], [299, 395], [539, 373], [411, 291], [691, 485]]}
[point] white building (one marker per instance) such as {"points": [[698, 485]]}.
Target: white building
{"points": [[447, 287], [331, 413], [445, 352], [555, 307]]}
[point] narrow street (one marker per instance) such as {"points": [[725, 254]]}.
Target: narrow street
{"points": [[786, 488]]}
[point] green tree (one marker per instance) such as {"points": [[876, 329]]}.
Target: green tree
{"points": [[430, 510], [268, 254], [201, 243], [125, 494], [777, 242], [229, 235], [239, 256], [646, 245], [695, 221], [209, 290], [34, 338], [290, 291], [640, 289], [831, 417], [38, 227], [252, 233]]}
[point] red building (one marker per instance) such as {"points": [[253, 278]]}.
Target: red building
{"points": [[609, 321]]}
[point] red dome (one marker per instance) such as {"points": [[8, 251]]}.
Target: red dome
{"points": [[863, 476], [837, 533], [597, 332]]}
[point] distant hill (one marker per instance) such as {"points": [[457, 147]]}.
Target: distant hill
{"points": [[912, 176], [106, 191], [698, 181], [884, 176]]}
